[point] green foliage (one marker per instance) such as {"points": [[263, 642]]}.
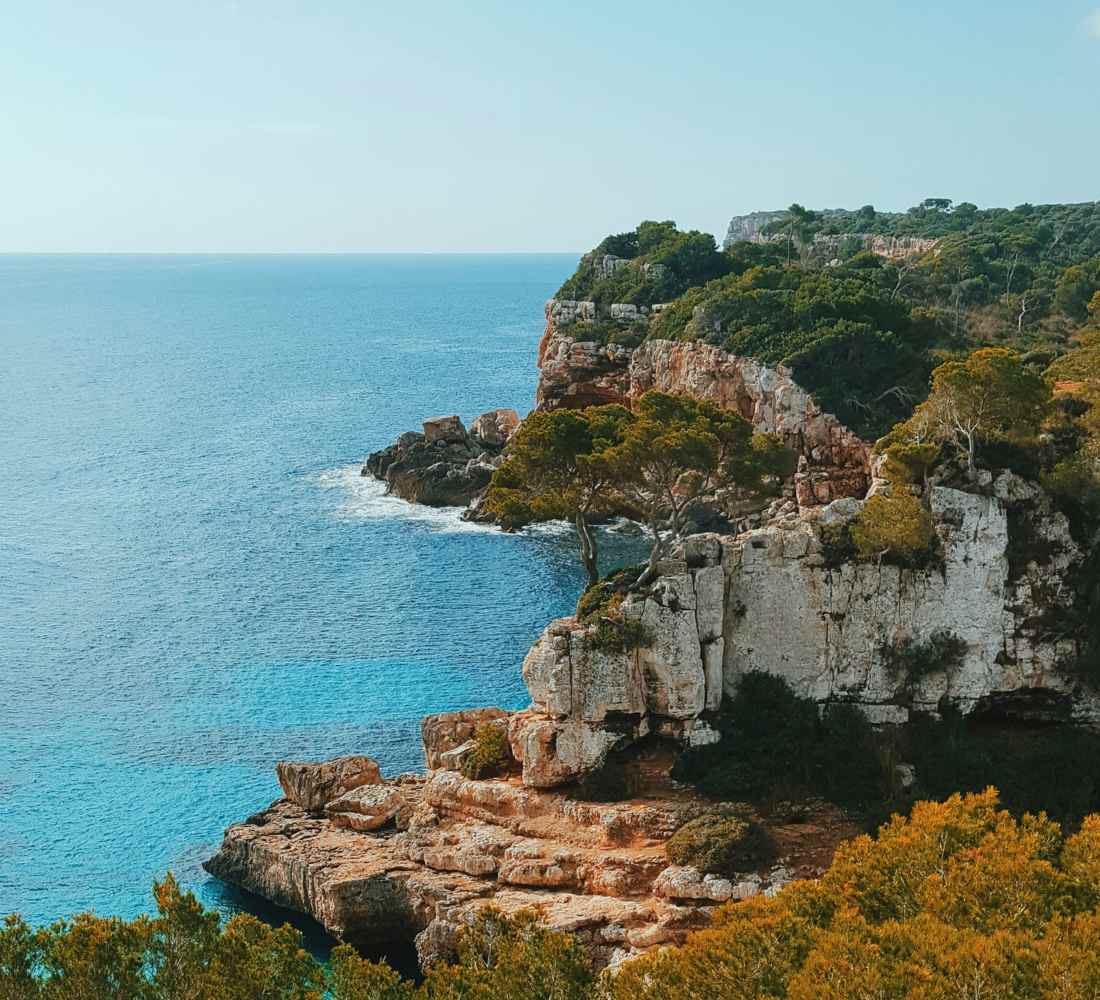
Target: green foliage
{"points": [[678, 449], [723, 841], [491, 753], [861, 336], [596, 598], [860, 350], [908, 462], [837, 546], [181, 953], [1076, 287], [658, 263], [517, 958], [1055, 770], [910, 661], [896, 529], [353, 977], [1075, 487], [958, 899], [555, 469], [615, 633]]}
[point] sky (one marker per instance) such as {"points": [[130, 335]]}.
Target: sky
{"points": [[353, 125]]}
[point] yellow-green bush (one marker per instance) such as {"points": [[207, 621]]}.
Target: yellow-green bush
{"points": [[491, 753], [894, 527]]}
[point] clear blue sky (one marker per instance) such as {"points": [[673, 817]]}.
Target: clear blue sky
{"points": [[341, 125]]}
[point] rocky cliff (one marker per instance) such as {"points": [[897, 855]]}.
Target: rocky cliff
{"points": [[385, 863], [751, 228], [778, 599], [833, 461]]}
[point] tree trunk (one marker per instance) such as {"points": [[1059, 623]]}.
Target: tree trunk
{"points": [[650, 572], [589, 551]]}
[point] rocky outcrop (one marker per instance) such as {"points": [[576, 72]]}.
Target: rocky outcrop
{"points": [[446, 465], [453, 846], [776, 599], [752, 228], [314, 786], [833, 461], [448, 736]]}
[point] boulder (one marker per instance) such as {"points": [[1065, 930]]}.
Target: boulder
{"points": [[493, 429], [366, 808], [313, 786], [554, 752], [447, 429]]}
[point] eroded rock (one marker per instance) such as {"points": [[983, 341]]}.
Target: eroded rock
{"points": [[313, 785]]}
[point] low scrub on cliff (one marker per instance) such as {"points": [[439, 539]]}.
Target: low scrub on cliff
{"points": [[725, 841], [910, 660], [491, 753], [895, 529]]}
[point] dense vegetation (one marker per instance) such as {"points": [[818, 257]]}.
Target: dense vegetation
{"points": [[778, 748], [959, 900], [861, 332], [651, 462]]}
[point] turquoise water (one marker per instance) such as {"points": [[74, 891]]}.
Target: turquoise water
{"points": [[194, 580]]}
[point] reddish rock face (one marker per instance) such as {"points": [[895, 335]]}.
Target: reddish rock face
{"points": [[834, 462]]}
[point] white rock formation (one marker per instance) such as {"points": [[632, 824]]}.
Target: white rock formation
{"points": [[768, 600]]}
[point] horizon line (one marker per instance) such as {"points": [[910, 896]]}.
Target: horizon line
{"points": [[279, 253]]}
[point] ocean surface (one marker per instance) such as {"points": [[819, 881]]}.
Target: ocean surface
{"points": [[195, 581]]}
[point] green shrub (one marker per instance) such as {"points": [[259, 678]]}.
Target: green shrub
{"points": [[768, 735], [724, 841], [596, 598], [491, 753], [909, 463], [911, 661], [613, 781], [1075, 488], [896, 529], [615, 634], [837, 547]]}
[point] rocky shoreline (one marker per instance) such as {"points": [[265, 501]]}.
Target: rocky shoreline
{"points": [[432, 850]]}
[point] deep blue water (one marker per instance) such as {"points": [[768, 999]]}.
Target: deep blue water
{"points": [[194, 580]]}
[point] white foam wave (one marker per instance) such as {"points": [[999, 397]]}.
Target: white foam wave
{"points": [[365, 499]]}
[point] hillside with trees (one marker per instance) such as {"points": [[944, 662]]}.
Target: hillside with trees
{"points": [[860, 330]]}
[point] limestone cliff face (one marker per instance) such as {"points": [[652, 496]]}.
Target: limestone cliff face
{"points": [[834, 461], [769, 600], [826, 246]]}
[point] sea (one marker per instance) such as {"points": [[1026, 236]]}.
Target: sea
{"points": [[195, 579]]}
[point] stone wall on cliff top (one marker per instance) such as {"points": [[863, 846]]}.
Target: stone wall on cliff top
{"points": [[833, 461], [768, 600]]}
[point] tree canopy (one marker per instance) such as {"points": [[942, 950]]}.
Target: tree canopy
{"points": [[652, 462]]}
